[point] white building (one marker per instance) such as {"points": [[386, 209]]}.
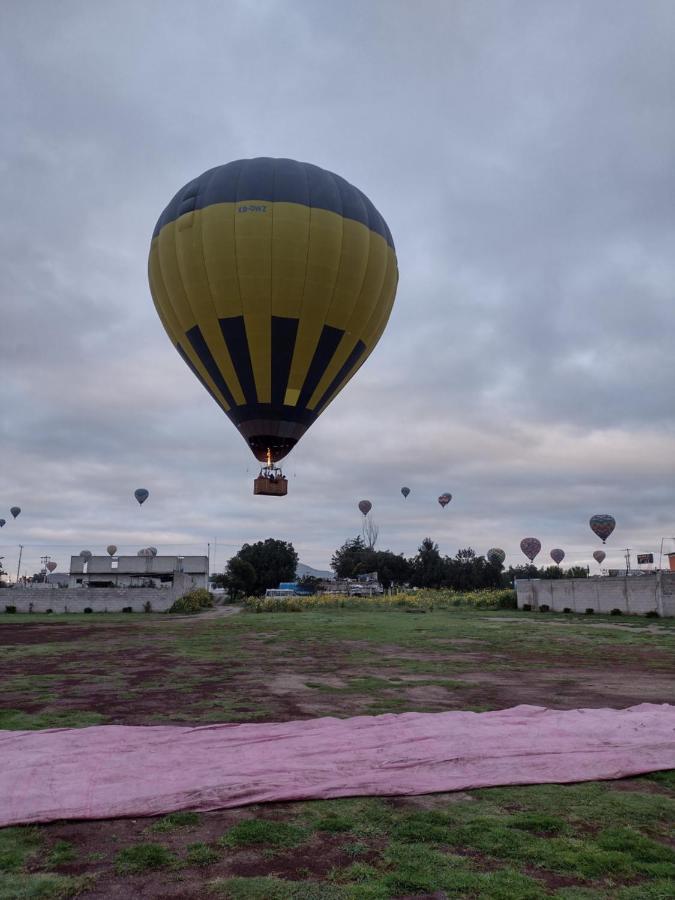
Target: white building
{"points": [[139, 571]]}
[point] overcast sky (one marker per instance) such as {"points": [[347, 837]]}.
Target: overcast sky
{"points": [[522, 154]]}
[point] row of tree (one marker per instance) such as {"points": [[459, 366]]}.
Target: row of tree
{"points": [[266, 564]]}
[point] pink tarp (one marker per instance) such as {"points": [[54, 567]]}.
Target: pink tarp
{"points": [[116, 770]]}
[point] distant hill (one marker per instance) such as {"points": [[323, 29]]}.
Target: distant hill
{"points": [[303, 570]]}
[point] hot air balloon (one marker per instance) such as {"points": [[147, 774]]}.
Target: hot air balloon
{"points": [[141, 495], [602, 525], [144, 552], [15, 510], [365, 506], [557, 556], [496, 556], [85, 555], [274, 279], [530, 547], [444, 499], [2, 523], [599, 556], [111, 549], [153, 551], [51, 566], [405, 491]]}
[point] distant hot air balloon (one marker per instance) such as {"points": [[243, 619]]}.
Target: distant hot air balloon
{"points": [[146, 551], [15, 510], [496, 556], [405, 491], [2, 523], [111, 549], [557, 556], [153, 551], [365, 506], [51, 566], [85, 555], [530, 547], [444, 499], [602, 525], [599, 556], [274, 280], [141, 495]]}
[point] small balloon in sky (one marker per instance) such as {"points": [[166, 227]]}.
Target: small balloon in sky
{"points": [[557, 556], [444, 499], [15, 510], [405, 491], [365, 506], [530, 547], [602, 525], [141, 495]]}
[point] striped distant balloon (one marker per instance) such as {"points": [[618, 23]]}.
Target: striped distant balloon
{"points": [[557, 556], [530, 547], [602, 525], [444, 499], [599, 556]]}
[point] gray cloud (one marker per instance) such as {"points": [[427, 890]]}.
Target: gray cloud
{"points": [[522, 156]]}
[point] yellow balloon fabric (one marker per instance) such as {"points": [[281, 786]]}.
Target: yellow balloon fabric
{"points": [[274, 279]]}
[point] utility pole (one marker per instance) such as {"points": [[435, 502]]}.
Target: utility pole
{"points": [[627, 557], [18, 568]]}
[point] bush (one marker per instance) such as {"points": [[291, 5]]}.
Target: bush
{"points": [[616, 612], [652, 614], [567, 610], [589, 611], [49, 611], [544, 607], [10, 609], [192, 602], [527, 607], [127, 609], [87, 609], [421, 601], [147, 607]]}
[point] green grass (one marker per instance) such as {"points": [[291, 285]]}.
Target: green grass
{"points": [[174, 821], [17, 720], [17, 846], [263, 832], [201, 855], [143, 857], [40, 886]]}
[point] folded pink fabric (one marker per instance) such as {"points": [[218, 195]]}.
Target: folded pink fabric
{"points": [[117, 770]]}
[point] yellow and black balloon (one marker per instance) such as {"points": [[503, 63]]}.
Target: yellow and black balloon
{"points": [[274, 279]]}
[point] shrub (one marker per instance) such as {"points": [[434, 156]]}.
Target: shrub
{"points": [[87, 609], [616, 612], [652, 614], [567, 610], [10, 609], [127, 609], [589, 611], [147, 607], [192, 602], [544, 607], [527, 607], [49, 611]]}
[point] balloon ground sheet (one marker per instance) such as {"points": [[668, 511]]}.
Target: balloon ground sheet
{"points": [[115, 770]]}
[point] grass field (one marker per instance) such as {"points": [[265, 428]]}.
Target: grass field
{"points": [[609, 839]]}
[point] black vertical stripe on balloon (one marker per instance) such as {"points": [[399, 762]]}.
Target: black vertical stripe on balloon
{"points": [[325, 350], [199, 345], [284, 331], [195, 371], [234, 332], [352, 360]]}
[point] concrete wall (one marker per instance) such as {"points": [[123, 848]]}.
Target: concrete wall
{"points": [[75, 600], [634, 595]]}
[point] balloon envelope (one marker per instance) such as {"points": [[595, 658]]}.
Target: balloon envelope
{"points": [[152, 551], [2, 523], [141, 495], [444, 499], [602, 525], [51, 566], [15, 510], [274, 280], [530, 547], [557, 556], [496, 556], [365, 506], [405, 491], [111, 549], [599, 556], [85, 555]]}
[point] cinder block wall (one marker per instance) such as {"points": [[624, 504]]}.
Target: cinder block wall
{"points": [[75, 600], [634, 595]]}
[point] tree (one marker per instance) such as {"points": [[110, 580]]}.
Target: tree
{"points": [[266, 564], [309, 583], [347, 558], [428, 569]]}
